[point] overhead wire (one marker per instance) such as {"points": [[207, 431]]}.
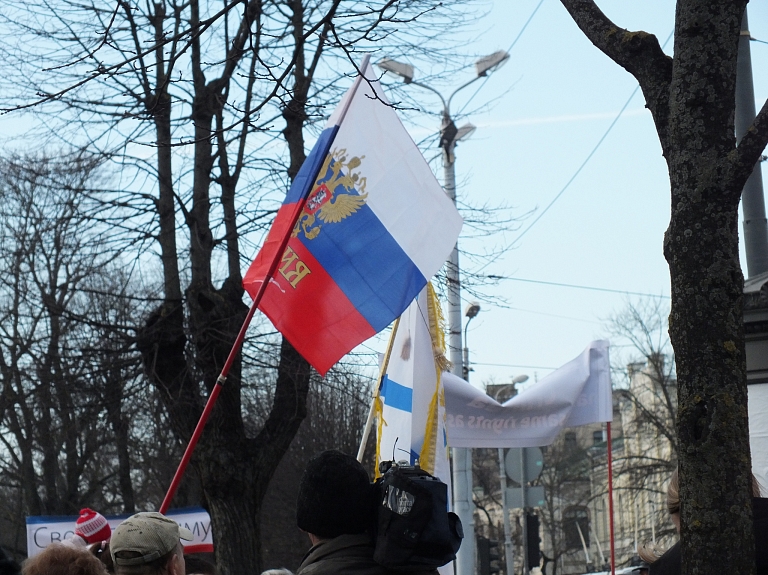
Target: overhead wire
{"points": [[512, 365], [558, 284], [587, 159], [512, 45], [565, 187], [557, 197]]}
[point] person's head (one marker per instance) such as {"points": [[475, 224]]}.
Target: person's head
{"points": [[335, 497], [650, 552], [149, 544], [673, 499], [281, 571], [58, 559], [92, 526]]}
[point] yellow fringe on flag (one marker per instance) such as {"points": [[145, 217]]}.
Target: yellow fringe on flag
{"points": [[378, 405], [436, 322]]}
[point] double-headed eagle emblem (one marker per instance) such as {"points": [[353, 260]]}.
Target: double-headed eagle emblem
{"points": [[339, 192]]}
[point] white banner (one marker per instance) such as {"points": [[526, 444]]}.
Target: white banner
{"points": [[576, 394], [46, 529], [758, 430]]}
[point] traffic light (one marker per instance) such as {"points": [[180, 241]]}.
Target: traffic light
{"points": [[488, 556], [532, 540]]}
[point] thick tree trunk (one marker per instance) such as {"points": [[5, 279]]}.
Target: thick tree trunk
{"points": [[706, 327], [692, 99], [234, 470], [166, 209]]}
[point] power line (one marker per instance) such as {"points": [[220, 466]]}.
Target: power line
{"points": [[511, 365], [593, 288], [512, 45], [584, 163], [578, 171]]}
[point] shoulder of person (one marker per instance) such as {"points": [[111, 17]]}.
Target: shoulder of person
{"points": [[667, 564]]}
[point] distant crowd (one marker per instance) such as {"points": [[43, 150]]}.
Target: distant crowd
{"points": [[333, 509]]}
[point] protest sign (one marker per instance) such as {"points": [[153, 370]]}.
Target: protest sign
{"points": [[46, 529], [576, 394]]}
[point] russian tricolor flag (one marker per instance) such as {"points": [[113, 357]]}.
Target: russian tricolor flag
{"points": [[374, 226]]}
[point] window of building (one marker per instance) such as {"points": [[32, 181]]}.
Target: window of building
{"points": [[597, 437], [576, 519], [570, 440]]}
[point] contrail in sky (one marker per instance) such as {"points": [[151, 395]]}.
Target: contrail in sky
{"points": [[558, 119]]}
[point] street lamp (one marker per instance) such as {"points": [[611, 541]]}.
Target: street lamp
{"points": [[522, 378], [491, 62], [515, 380], [470, 313], [405, 71], [449, 136]]}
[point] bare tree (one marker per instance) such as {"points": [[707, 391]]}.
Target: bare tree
{"points": [[565, 477], [647, 392], [65, 357], [186, 95], [691, 97], [223, 69], [337, 408]]}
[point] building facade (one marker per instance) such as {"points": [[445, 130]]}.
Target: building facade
{"points": [[575, 520]]}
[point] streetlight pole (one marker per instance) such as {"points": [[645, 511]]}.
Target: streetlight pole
{"points": [[449, 136], [509, 550], [752, 197], [470, 313], [462, 457]]}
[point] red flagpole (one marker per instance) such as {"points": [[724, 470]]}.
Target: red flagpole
{"points": [[227, 366], [610, 499], [241, 335]]}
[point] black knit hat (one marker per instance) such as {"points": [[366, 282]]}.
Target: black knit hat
{"points": [[335, 496]]}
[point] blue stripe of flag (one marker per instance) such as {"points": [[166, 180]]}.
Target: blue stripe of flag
{"points": [[368, 265], [305, 179], [366, 262], [396, 395]]}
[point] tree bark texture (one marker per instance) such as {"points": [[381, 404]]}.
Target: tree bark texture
{"points": [[692, 99], [185, 342]]}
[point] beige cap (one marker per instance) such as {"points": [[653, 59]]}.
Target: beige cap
{"points": [[151, 534]]}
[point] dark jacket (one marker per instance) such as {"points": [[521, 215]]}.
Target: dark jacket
{"points": [[346, 555], [669, 563]]}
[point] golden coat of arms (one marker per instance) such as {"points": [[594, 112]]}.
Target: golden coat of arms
{"points": [[335, 196]]}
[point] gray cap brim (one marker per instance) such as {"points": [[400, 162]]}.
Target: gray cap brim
{"points": [[185, 534]]}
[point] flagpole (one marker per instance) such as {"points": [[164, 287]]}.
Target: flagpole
{"points": [[372, 410], [610, 499], [244, 328], [222, 377]]}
